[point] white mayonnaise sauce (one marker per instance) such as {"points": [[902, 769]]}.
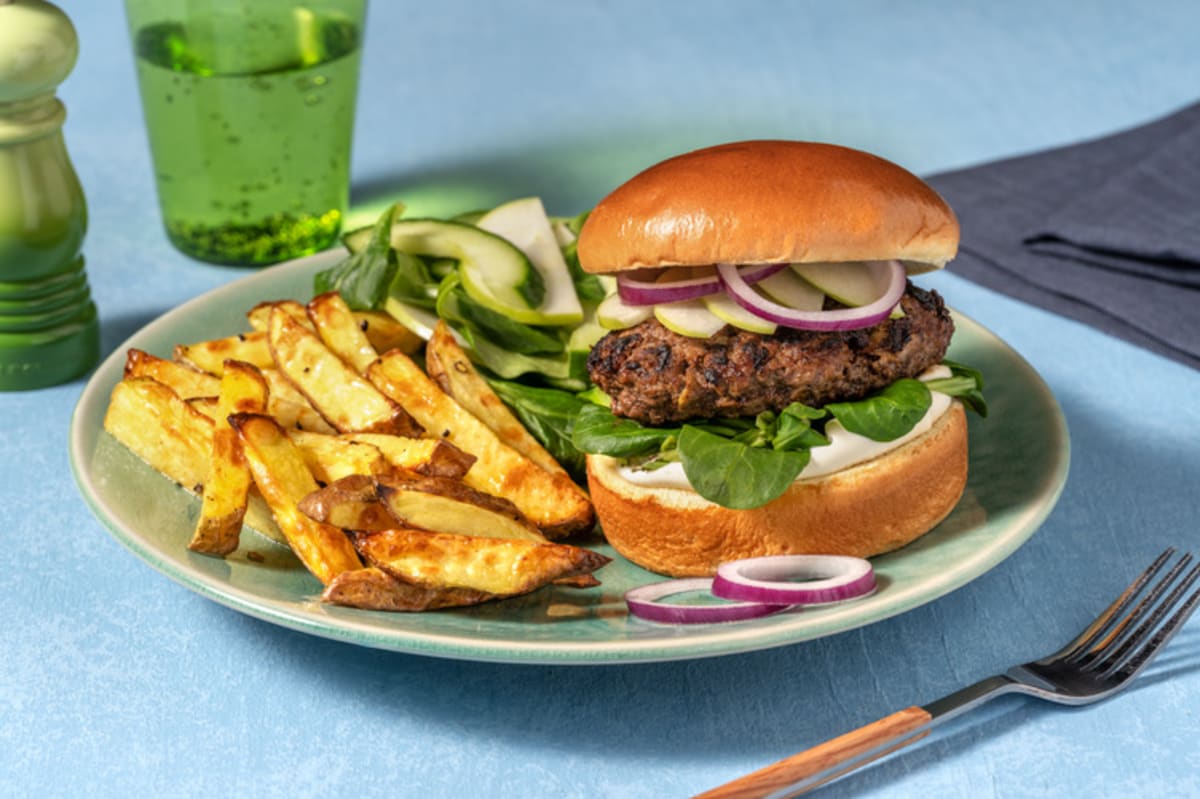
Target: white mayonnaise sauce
{"points": [[845, 448]]}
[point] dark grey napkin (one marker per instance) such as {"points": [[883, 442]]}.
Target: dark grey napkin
{"points": [[1106, 232]]}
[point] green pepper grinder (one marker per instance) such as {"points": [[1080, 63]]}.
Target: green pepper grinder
{"points": [[49, 333]]}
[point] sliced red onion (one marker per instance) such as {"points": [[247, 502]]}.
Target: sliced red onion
{"points": [[643, 603], [650, 292], [840, 319], [795, 579]]}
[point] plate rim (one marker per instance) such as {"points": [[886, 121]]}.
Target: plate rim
{"points": [[725, 639]]}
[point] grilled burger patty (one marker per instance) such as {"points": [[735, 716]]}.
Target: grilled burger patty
{"points": [[657, 377]]}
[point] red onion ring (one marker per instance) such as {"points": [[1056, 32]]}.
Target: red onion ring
{"points": [[643, 603], [827, 579], [649, 292], [840, 319]]}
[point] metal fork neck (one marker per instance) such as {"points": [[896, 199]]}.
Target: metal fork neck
{"points": [[970, 697]]}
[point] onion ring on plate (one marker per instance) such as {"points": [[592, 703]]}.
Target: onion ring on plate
{"points": [[795, 579], [643, 603]]}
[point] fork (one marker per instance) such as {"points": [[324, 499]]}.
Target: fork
{"points": [[1102, 660]]}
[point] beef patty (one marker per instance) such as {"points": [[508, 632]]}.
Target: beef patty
{"points": [[658, 377]]}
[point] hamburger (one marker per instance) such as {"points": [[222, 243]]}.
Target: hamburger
{"points": [[772, 382]]}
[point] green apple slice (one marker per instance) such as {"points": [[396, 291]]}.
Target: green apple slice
{"points": [[853, 283], [416, 319], [525, 224], [613, 313], [726, 308], [788, 288], [688, 318]]}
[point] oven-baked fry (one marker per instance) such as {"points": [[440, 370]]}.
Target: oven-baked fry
{"points": [[336, 326], [227, 486], [500, 567], [551, 501], [435, 457], [210, 356], [452, 370], [348, 401], [300, 430], [370, 588], [283, 479], [186, 381]]}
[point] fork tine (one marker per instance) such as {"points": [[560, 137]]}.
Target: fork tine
{"points": [[1139, 648], [1136, 623], [1083, 642]]}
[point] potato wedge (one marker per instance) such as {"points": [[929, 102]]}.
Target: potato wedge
{"points": [[381, 328], [351, 503], [210, 356], [259, 316], [551, 501], [209, 406], [331, 458], [290, 408], [336, 326], [446, 505], [280, 474], [441, 504], [163, 430], [452, 370], [435, 457], [175, 439], [227, 486], [501, 567], [184, 380], [385, 333], [374, 589], [348, 401]]}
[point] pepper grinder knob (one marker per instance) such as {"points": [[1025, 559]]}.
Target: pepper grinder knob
{"points": [[49, 332]]}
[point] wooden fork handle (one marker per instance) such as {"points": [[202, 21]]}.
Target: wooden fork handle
{"points": [[820, 764]]}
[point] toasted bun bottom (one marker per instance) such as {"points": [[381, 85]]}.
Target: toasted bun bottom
{"points": [[866, 510]]}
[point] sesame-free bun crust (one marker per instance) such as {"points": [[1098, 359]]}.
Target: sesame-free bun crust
{"points": [[865, 510], [769, 202]]}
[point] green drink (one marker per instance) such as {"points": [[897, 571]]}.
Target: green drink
{"points": [[249, 109]]}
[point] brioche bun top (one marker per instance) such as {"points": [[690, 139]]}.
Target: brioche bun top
{"points": [[769, 201]]}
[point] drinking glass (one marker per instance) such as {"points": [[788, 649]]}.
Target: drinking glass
{"points": [[249, 109]]}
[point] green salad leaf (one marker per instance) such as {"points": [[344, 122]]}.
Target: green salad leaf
{"points": [[794, 428], [457, 307], [589, 287], [888, 414], [965, 383], [549, 414], [599, 431], [413, 281], [364, 277], [734, 474]]}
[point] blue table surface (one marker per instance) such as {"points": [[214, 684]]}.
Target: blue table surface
{"points": [[115, 681]]}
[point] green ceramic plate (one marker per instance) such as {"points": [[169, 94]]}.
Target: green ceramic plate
{"points": [[1018, 467]]}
